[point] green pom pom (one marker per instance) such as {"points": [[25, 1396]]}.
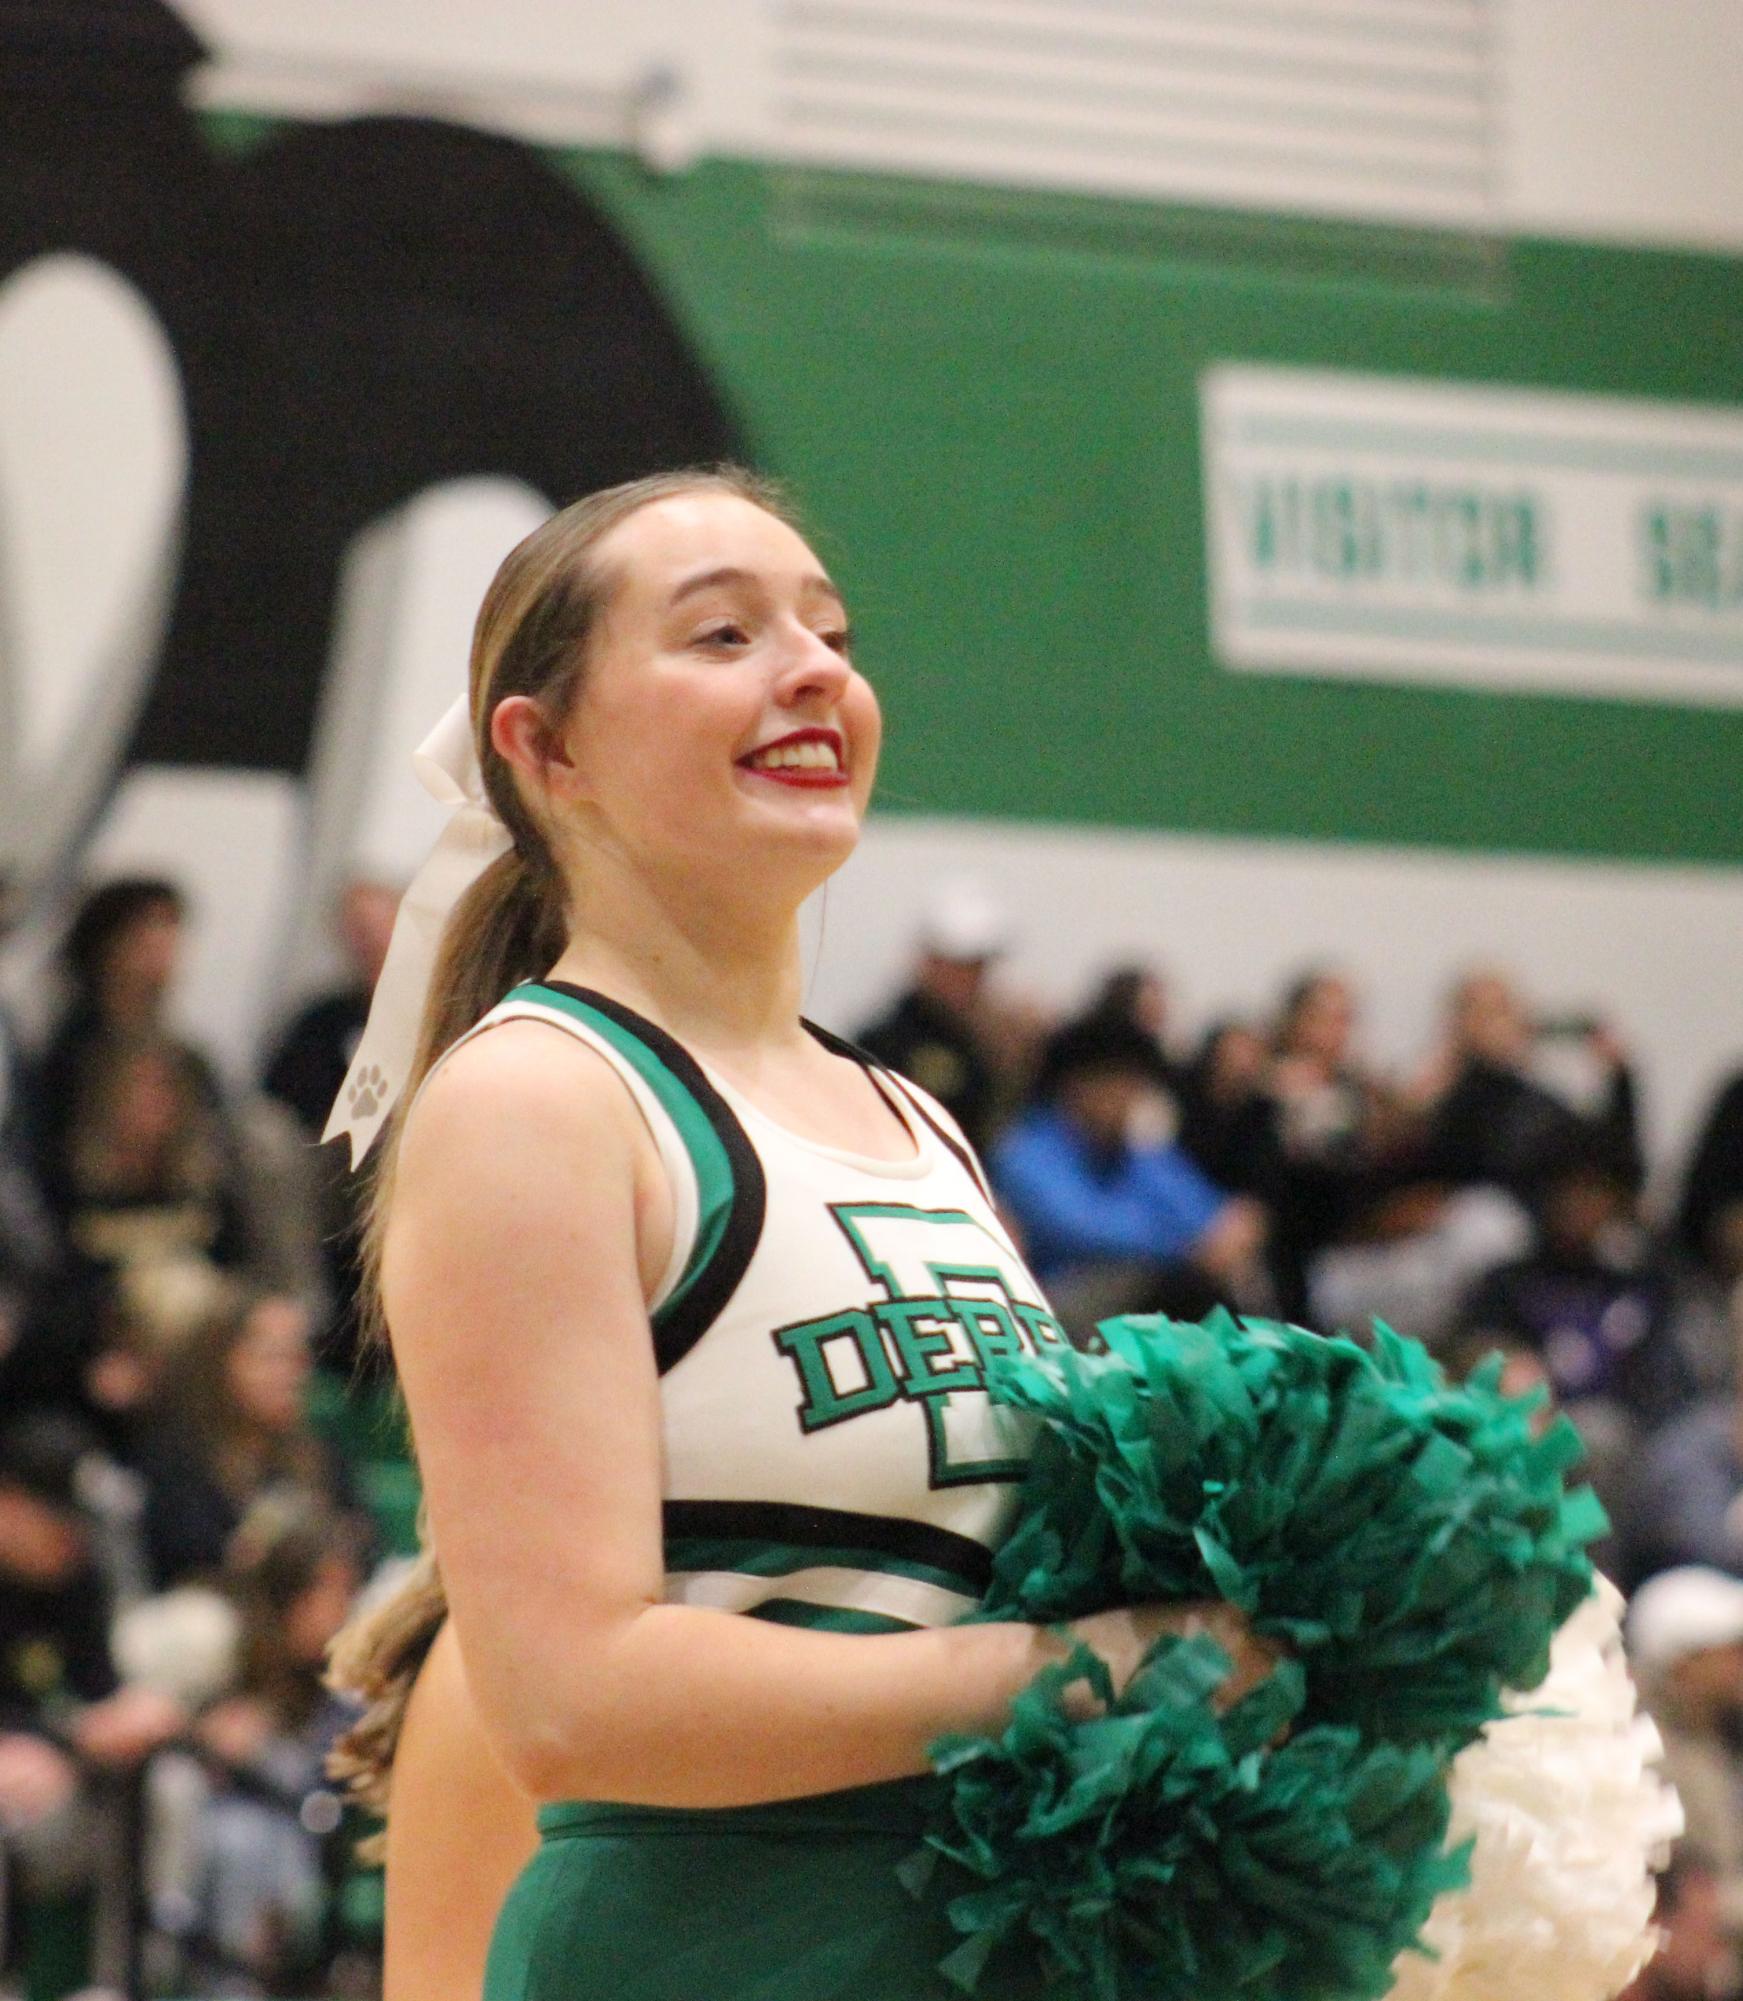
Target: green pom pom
{"points": [[1158, 1850], [1413, 1543]]}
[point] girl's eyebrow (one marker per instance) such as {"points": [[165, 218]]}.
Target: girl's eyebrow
{"points": [[814, 584]]}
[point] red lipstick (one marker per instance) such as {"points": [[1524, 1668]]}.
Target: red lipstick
{"points": [[791, 760]]}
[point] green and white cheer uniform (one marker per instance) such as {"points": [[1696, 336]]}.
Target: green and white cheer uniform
{"points": [[830, 1459]]}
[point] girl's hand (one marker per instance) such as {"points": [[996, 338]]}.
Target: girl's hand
{"points": [[1123, 1638]]}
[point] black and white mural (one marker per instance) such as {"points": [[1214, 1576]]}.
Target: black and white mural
{"points": [[274, 400]]}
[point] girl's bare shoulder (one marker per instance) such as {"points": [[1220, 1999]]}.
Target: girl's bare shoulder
{"points": [[522, 1088]]}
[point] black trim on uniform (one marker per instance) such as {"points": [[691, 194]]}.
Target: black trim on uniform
{"points": [[875, 1073], [965, 1159], [833, 1528], [874, 1070], [676, 1334], [970, 1166]]}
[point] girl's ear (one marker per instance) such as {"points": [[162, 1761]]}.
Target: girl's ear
{"points": [[533, 747], [522, 735]]}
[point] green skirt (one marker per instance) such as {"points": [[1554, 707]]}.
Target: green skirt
{"points": [[795, 1901]]}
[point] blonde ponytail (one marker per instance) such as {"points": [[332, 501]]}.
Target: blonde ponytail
{"points": [[376, 1660]]}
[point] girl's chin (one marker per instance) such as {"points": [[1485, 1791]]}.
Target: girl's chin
{"points": [[807, 847], [804, 814]]}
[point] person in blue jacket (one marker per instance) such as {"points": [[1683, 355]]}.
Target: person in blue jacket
{"points": [[1115, 1218]]}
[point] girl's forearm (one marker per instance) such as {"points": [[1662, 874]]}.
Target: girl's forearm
{"points": [[685, 1706], [678, 1705]]}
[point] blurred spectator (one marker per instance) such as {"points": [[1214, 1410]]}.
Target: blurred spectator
{"points": [[1688, 1496], [57, 1329], [144, 1174], [1710, 1214], [141, 1158], [1697, 1956], [1589, 1296], [1708, 1269], [1135, 997], [64, 1712], [97, 1342], [1705, 1313], [1592, 1301], [29, 1245], [1685, 1641], [1223, 1124], [309, 1063], [304, 1074], [230, 1429], [1455, 1157], [938, 1032], [1112, 1224], [1116, 1043], [85, 1357], [245, 1823], [1323, 1100], [1325, 1126], [120, 955], [1486, 1118]]}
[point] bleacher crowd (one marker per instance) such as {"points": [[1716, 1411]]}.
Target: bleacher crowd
{"points": [[200, 1471]]}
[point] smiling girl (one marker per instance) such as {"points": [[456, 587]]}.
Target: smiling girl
{"points": [[694, 1305]]}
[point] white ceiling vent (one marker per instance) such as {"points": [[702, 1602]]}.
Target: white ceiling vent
{"points": [[1377, 109]]}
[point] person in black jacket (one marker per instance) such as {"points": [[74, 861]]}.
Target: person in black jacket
{"points": [[933, 1032], [120, 956], [30, 1246], [1487, 1119], [231, 1429], [1590, 1297], [65, 1714], [1710, 1215], [308, 1064], [304, 1073], [1591, 1301]]}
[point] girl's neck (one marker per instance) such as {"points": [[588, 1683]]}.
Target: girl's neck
{"points": [[716, 972]]}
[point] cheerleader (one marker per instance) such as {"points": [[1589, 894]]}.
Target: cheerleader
{"points": [[693, 1304]]}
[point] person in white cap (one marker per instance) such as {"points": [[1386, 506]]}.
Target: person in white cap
{"points": [[1685, 1638], [931, 1031]]}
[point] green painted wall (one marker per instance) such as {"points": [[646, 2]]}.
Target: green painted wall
{"points": [[988, 405]]}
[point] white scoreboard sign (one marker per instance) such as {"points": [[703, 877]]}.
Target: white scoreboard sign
{"points": [[1409, 530]]}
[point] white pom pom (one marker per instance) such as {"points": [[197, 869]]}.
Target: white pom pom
{"points": [[1571, 1818]]}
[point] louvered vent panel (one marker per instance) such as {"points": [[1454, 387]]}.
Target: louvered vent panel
{"points": [[1364, 108]]}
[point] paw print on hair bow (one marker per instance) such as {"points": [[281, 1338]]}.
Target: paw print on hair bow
{"points": [[368, 1092]]}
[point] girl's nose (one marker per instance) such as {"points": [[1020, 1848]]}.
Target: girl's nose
{"points": [[814, 668]]}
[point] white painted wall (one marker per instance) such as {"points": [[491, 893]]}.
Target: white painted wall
{"points": [[1624, 120], [1616, 119]]}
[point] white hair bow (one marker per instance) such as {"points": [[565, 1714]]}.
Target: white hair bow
{"points": [[446, 763]]}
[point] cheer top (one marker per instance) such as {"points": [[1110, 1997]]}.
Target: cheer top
{"points": [[823, 1331]]}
